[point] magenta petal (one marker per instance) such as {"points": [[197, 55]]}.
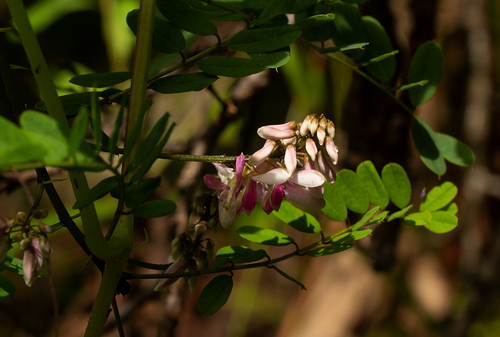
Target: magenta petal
{"points": [[303, 196], [240, 165], [213, 183], [249, 197], [277, 196], [307, 178], [273, 177]]}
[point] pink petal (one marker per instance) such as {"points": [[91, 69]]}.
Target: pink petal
{"points": [[332, 150], [249, 197], [240, 165], [271, 132], [313, 124], [307, 178], [304, 128], [291, 158], [303, 196], [261, 155], [311, 148], [32, 262], [213, 183], [276, 198], [273, 177], [330, 129], [324, 168], [321, 134]]}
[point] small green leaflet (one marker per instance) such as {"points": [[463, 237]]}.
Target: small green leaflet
{"points": [[442, 222], [374, 185], [183, 83], [347, 27], [427, 64], [365, 218], [264, 236], [298, 219], [344, 47], [399, 214], [352, 190], [154, 209], [426, 143], [329, 250], [439, 197], [96, 192], [101, 80], [265, 39], [335, 208], [7, 287], [397, 184], [316, 20], [239, 254], [215, 295], [454, 150], [273, 59], [181, 14], [350, 237], [274, 8], [78, 131], [418, 218], [229, 66]]}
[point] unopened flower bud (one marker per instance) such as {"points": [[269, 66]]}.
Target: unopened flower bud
{"points": [[44, 246], [304, 127], [200, 228], [281, 131], [330, 129], [313, 124], [5, 245], [17, 237], [26, 242], [291, 159], [194, 219], [324, 168], [209, 248], [214, 206], [203, 260], [311, 148], [40, 213], [44, 228], [13, 223], [323, 121], [321, 134], [32, 262], [21, 216], [177, 267], [332, 150], [193, 280], [261, 155]]}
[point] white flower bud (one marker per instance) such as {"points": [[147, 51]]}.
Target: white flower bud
{"points": [[177, 267], [272, 177], [321, 134], [261, 155], [200, 228], [304, 127], [291, 158], [311, 148], [330, 129], [332, 150], [313, 124]]}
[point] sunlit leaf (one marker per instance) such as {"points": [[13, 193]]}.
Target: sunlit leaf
{"points": [[329, 250], [101, 80], [215, 295], [439, 197], [425, 141], [229, 66], [397, 184], [399, 214], [442, 222], [265, 39], [154, 208], [183, 83], [374, 185], [364, 219], [427, 64], [351, 236], [181, 14], [264, 236], [274, 59], [352, 190], [450, 208], [418, 218], [377, 218], [454, 150], [239, 254], [335, 208], [298, 219]]}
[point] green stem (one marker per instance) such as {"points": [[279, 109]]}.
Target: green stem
{"points": [[361, 73]]}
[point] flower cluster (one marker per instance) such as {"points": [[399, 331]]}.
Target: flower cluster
{"points": [[293, 164], [32, 241]]}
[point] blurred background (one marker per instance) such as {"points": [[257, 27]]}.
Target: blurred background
{"points": [[401, 281]]}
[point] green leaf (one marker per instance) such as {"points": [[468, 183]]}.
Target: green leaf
{"points": [[95, 121], [442, 222], [427, 64], [274, 59], [154, 209], [136, 131], [450, 208], [298, 219], [181, 14], [239, 254], [113, 141], [78, 131], [7, 287], [352, 190], [397, 184], [378, 218], [7, 260], [288, 277], [265, 39], [344, 47], [399, 214], [101, 80], [350, 237], [183, 83], [347, 28], [274, 8], [425, 141], [454, 150], [16, 266], [215, 295], [374, 185], [355, 1], [229, 66], [418, 218], [316, 20], [71, 103], [96, 192], [365, 218], [410, 85], [439, 197], [335, 208], [379, 44], [150, 142], [302, 5], [167, 38], [138, 193], [264, 236], [328, 250]]}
